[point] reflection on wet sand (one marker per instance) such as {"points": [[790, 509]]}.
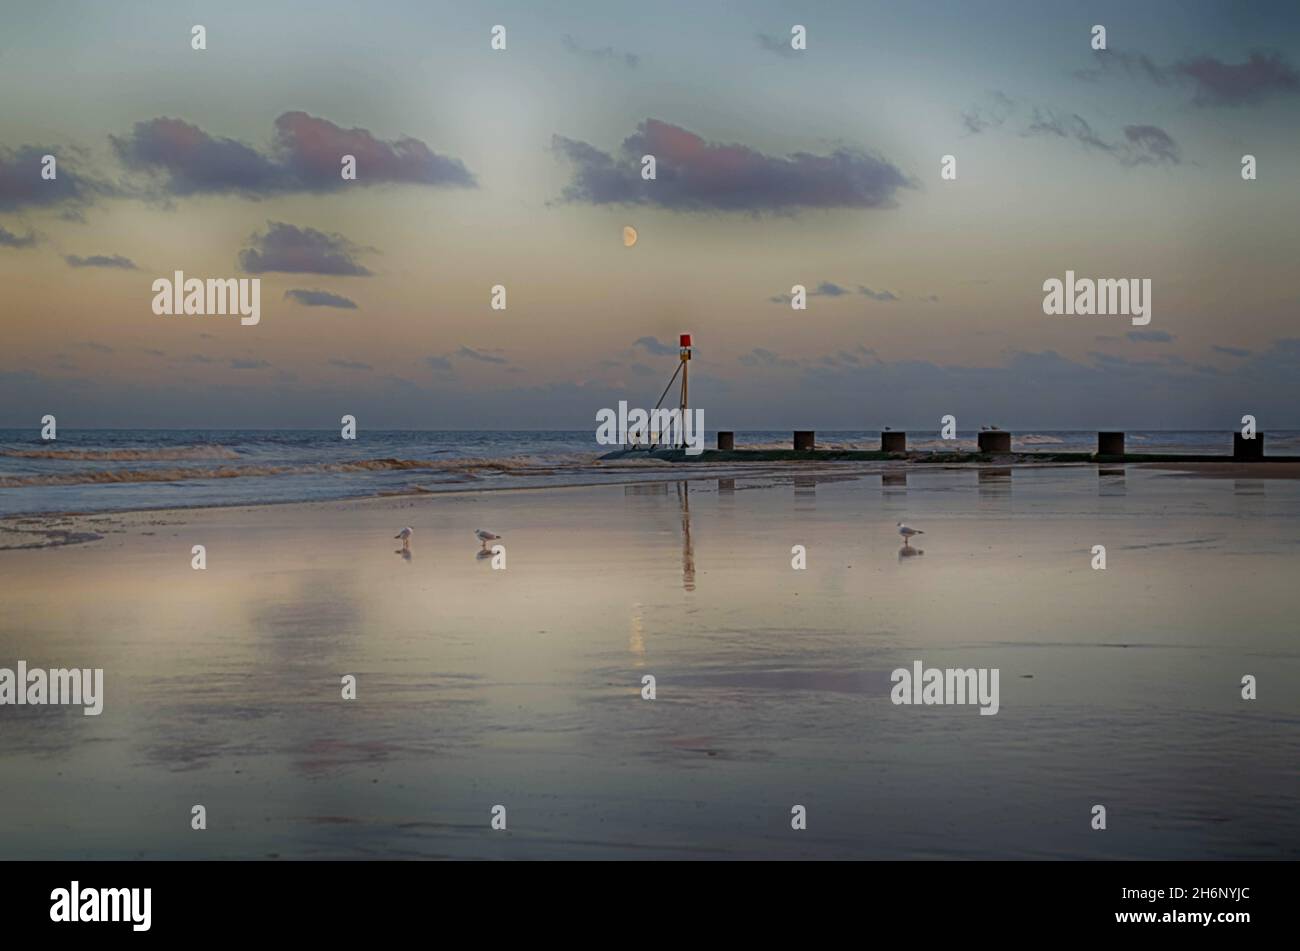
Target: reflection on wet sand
{"points": [[688, 548], [995, 482], [893, 483], [1110, 481], [907, 551]]}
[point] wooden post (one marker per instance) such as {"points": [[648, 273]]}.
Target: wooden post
{"points": [[803, 440], [994, 441], [893, 442], [1110, 444], [1243, 448], [726, 440]]}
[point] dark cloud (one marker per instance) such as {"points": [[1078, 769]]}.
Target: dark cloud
{"points": [[1213, 82], [481, 356], [320, 299], [240, 364], [884, 296], [350, 364], [1150, 145], [438, 363], [602, 54], [828, 289], [758, 357], [292, 250], [10, 240], [305, 156], [695, 175], [95, 345], [652, 345], [21, 184], [1150, 336], [101, 260], [1231, 351]]}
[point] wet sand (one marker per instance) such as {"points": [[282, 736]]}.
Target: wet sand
{"points": [[522, 686]]}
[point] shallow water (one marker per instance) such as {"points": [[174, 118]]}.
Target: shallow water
{"points": [[521, 687]]}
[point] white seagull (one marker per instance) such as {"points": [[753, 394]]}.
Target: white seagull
{"points": [[483, 535], [405, 535], [907, 532]]}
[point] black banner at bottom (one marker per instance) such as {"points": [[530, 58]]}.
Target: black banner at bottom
{"points": [[1178, 900]]}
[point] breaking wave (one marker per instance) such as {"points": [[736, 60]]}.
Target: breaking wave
{"points": [[116, 476], [170, 454]]}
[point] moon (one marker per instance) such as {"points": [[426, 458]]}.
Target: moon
{"points": [[629, 236]]}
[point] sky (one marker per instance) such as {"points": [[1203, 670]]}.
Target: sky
{"points": [[775, 167]]}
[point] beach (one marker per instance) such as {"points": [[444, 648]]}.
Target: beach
{"points": [[522, 686]]}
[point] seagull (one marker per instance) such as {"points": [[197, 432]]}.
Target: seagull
{"points": [[485, 536], [907, 532], [405, 535]]}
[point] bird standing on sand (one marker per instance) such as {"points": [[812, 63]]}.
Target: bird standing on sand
{"points": [[907, 532], [405, 535], [485, 536]]}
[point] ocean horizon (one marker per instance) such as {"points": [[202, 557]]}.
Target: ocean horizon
{"points": [[98, 470]]}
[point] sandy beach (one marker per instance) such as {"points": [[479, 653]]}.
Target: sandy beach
{"points": [[522, 687]]}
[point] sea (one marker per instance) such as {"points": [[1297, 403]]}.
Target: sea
{"points": [[102, 470]]}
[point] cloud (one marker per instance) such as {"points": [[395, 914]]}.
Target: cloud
{"points": [[481, 356], [239, 364], [1150, 336], [652, 345], [695, 175], [21, 184], [101, 260], [1150, 145], [350, 364], [320, 299], [884, 296], [831, 289], [1214, 82], [758, 357], [305, 156], [95, 345], [1231, 351], [603, 54], [990, 115], [292, 250], [10, 240], [780, 45], [438, 363]]}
